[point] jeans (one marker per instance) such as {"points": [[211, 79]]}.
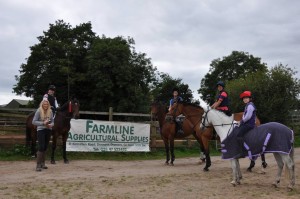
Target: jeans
{"points": [[242, 130], [43, 137]]}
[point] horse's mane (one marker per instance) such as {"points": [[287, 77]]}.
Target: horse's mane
{"points": [[190, 104], [64, 106]]}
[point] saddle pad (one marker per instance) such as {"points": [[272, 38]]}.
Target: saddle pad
{"points": [[266, 138]]}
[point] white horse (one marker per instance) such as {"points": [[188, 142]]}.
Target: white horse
{"points": [[224, 126]]}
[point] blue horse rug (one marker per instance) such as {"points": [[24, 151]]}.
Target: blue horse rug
{"points": [[266, 138]]}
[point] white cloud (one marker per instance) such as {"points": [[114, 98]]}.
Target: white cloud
{"points": [[181, 37]]}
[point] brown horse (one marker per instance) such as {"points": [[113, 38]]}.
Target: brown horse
{"points": [[190, 126], [61, 127], [189, 111]]}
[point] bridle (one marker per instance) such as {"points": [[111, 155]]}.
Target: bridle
{"points": [[206, 119], [186, 117]]}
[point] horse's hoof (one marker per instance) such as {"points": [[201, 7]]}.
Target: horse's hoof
{"points": [[290, 188], [202, 160], [249, 170], [53, 162], [166, 163], [233, 183], [171, 164], [238, 183], [264, 165], [66, 161], [275, 185], [205, 169]]}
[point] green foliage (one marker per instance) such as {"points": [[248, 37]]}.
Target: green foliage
{"points": [[118, 76], [236, 65], [57, 59], [274, 93], [100, 72], [162, 91]]}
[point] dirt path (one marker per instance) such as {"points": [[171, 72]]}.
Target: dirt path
{"points": [[141, 179]]}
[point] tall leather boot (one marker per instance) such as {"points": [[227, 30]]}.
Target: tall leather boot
{"points": [[38, 161], [43, 165]]}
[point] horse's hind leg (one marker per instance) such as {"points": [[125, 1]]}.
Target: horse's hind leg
{"points": [[53, 149], [252, 164], [64, 139], [33, 144], [291, 167], [239, 173], [280, 167]]}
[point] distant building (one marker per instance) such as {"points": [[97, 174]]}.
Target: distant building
{"points": [[17, 103]]}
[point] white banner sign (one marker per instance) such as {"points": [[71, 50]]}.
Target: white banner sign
{"points": [[97, 136]]}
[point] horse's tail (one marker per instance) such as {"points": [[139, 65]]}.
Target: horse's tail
{"points": [[28, 129]]}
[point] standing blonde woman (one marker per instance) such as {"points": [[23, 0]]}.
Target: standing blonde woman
{"points": [[44, 121]]}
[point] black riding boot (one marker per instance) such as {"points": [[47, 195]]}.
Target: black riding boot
{"points": [[179, 128]]}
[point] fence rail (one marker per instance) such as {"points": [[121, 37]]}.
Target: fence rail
{"points": [[16, 126]]}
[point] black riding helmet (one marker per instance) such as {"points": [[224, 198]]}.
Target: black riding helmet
{"points": [[175, 89], [220, 83], [52, 87]]}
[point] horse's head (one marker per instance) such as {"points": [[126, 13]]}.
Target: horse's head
{"points": [[176, 109], [156, 109], [74, 108]]}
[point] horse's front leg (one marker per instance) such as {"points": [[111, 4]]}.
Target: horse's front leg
{"points": [[64, 140], [166, 142], [239, 174], [54, 138], [234, 166], [172, 151]]}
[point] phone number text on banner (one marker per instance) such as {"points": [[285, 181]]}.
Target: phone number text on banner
{"points": [[97, 136]]}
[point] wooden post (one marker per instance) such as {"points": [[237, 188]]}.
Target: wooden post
{"points": [[153, 127], [110, 114]]}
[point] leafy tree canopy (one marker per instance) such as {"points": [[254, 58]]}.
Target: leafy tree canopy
{"points": [[99, 71], [274, 93], [237, 65], [164, 86]]}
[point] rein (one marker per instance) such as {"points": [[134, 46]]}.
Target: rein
{"points": [[206, 118]]}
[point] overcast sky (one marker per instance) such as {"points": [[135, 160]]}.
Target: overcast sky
{"points": [[181, 37]]}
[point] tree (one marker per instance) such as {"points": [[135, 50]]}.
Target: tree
{"points": [[57, 59], [164, 86], [100, 72], [119, 76], [274, 93], [236, 65]]}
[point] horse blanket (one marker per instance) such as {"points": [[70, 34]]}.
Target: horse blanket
{"points": [[266, 138]]}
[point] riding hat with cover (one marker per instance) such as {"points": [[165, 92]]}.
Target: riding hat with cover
{"points": [[52, 87], [245, 94], [221, 83]]}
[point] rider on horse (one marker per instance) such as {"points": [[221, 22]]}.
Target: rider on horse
{"points": [[222, 102], [51, 98], [248, 121], [179, 119]]}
